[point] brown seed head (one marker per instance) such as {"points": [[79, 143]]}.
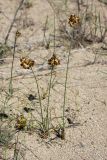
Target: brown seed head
{"points": [[18, 34], [74, 20], [53, 61], [26, 63]]}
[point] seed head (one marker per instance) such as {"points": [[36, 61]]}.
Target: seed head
{"points": [[53, 61], [18, 34], [26, 63], [74, 20]]}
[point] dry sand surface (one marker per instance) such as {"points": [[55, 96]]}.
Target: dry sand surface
{"points": [[86, 98]]}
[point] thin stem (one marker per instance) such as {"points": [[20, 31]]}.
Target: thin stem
{"points": [[47, 117], [65, 90], [45, 28], [78, 5], [66, 1], [54, 33], [39, 97], [12, 23], [16, 152], [10, 84]]}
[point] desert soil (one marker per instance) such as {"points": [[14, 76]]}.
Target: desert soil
{"points": [[86, 100]]}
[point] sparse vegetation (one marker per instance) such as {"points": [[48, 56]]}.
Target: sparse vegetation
{"points": [[52, 71]]}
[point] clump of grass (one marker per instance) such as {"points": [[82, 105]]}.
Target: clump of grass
{"points": [[27, 63], [44, 125]]}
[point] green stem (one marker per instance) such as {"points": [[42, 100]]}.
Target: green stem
{"points": [[10, 84], [47, 117], [54, 33], [39, 98], [65, 90]]}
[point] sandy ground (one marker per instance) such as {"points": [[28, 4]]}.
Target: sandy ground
{"points": [[86, 100]]}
